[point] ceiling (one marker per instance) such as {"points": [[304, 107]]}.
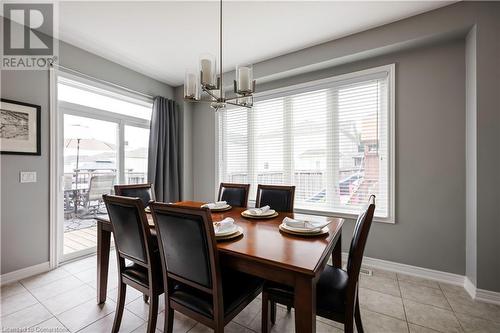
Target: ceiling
{"points": [[162, 39]]}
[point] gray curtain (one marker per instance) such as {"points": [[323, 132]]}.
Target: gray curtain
{"points": [[163, 157]]}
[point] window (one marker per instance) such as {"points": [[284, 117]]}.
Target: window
{"points": [[103, 99], [332, 139], [88, 109]]}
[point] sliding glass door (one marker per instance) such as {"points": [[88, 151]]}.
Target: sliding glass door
{"points": [[105, 138], [90, 170]]}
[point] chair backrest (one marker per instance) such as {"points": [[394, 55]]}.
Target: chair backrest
{"points": [[279, 198], [99, 185], [145, 192], [358, 242], [130, 227], [187, 245], [235, 194]]}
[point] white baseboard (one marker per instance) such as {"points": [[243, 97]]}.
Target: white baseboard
{"points": [[470, 287], [425, 273], [24, 273], [481, 295], [487, 296]]}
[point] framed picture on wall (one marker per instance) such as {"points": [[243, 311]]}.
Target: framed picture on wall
{"points": [[19, 128]]}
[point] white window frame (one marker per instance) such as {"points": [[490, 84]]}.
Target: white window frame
{"points": [[389, 71], [58, 110]]}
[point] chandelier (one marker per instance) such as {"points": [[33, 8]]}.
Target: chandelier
{"points": [[204, 85]]}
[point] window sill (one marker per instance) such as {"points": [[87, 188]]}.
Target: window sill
{"points": [[346, 216]]}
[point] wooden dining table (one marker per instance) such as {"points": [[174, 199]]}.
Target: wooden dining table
{"points": [[264, 251]]}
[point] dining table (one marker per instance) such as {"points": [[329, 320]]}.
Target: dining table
{"points": [[263, 251]]}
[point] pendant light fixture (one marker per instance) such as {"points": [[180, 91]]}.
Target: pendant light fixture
{"points": [[205, 85]]}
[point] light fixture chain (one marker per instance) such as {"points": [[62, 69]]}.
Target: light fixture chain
{"points": [[220, 51]]}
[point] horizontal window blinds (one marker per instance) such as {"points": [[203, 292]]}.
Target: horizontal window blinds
{"points": [[331, 142]]}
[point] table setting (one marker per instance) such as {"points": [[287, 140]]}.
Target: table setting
{"points": [[227, 229], [304, 227], [218, 206], [264, 212]]}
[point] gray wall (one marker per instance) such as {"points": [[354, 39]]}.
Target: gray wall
{"points": [[488, 146], [25, 207], [430, 156], [425, 236]]}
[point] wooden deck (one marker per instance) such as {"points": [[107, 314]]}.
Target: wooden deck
{"points": [[80, 240]]}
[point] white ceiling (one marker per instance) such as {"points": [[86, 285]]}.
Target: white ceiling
{"points": [[162, 39]]}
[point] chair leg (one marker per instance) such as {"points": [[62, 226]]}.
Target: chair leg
{"points": [[145, 298], [349, 318], [349, 326], [273, 312], [266, 313], [357, 317], [168, 326], [219, 328], [153, 314], [120, 305]]}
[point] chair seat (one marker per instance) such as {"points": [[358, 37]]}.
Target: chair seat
{"points": [[330, 292], [237, 288], [139, 274]]}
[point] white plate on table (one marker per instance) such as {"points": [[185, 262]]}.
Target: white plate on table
{"points": [[269, 213], [305, 232], [238, 232], [221, 208], [226, 232]]}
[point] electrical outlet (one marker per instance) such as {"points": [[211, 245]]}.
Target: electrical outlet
{"points": [[27, 177]]}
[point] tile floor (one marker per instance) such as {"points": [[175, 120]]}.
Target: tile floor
{"points": [[63, 300]]}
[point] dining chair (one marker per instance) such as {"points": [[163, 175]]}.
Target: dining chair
{"points": [[134, 242], [143, 191], [279, 198], [194, 282], [337, 296], [235, 195]]}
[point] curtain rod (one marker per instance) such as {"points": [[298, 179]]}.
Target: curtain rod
{"points": [[74, 71]]}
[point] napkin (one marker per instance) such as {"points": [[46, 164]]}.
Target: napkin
{"points": [[304, 224], [224, 225], [259, 211], [218, 204]]}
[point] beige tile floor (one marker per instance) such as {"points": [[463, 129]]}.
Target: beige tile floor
{"points": [[63, 300]]}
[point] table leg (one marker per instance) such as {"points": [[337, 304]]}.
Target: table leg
{"points": [[103, 247], [305, 305], [337, 253]]}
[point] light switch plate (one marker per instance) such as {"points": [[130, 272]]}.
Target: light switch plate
{"points": [[27, 177]]}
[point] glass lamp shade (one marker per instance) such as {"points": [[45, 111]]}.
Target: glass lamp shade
{"points": [[244, 79], [191, 85], [208, 71]]}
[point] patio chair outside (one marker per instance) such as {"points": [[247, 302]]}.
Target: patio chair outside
{"points": [[98, 186]]}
